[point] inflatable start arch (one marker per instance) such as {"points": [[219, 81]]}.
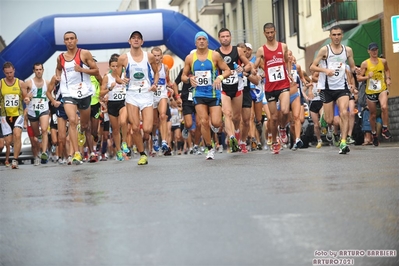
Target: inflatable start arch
{"points": [[95, 31]]}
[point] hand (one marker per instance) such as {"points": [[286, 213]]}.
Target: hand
{"points": [[217, 84], [193, 81], [371, 74], [78, 68], [56, 104], [330, 72], [27, 100], [153, 87], [172, 92]]}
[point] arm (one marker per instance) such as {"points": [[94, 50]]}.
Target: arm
{"points": [[28, 96], [322, 54], [387, 72], [288, 64], [221, 64], [87, 58], [360, 76], [351, 81], [104, 89], [122, 62], [154, 66], [58, 69], [247, 64], [24, 91], [259, 57], [185, 77], [351, 62], [50, 89], [169, 84]]}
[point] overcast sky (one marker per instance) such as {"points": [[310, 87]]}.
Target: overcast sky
{"points": [[17, 15]]}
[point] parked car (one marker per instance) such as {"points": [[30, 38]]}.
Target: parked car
{"points": [[26, 150]]}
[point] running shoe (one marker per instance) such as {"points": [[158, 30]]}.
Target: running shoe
{"points": [[254, 145], [243, 148], [196, 151], [283, 135], [37, 161], [168, 152], [234, 144], [275, 148], [104, 157], [220, 149], [336, 140], [69, 160], [329, 135], [44, 156], [350, 140], [375, 140], [185, 133], [119, 156], [211, 154], [343, 148], [81, 137], [60, 161], [93, 158], [143, 160], [125, 149], [14, 164], [259, 146], [297, 145], [77, 158], [164, 146], [319, 144], [269, 140], [386, 134]]}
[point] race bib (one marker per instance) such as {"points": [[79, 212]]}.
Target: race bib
{"points": [[374, 84], [204, 78], [158, 92], [175, 120], [11, 100], [339, 69], [55, 119], [79, 91], [39, 104], [276, 73], [232, 79], [119, 92]]}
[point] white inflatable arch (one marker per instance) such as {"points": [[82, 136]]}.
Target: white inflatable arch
{"points": [[96, 31]]}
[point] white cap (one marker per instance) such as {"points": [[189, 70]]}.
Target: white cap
{"points": [[248, 45]]}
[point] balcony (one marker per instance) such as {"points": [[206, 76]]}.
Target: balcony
{"points": [[220, 1], [206, 8], [175, 2], [342, 14]]}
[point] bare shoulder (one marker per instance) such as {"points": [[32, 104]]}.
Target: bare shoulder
{"points": [[28, 83]]}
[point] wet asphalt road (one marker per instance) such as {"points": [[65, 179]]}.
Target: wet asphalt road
{"points": [[240, 209]]}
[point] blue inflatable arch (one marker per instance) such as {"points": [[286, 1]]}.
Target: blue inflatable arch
{"points": [[96, 31]]}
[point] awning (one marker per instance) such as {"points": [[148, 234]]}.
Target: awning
{"points": [[359, 38]]}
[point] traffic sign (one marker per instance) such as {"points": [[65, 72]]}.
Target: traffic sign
{"points": [[395, 28]]}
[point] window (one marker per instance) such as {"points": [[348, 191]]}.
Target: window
{"points": [[144, 4], [293, 14], [278, 17]]}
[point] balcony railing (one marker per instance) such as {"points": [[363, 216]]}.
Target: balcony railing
{"points": [[206, 8], [343, 14]]}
